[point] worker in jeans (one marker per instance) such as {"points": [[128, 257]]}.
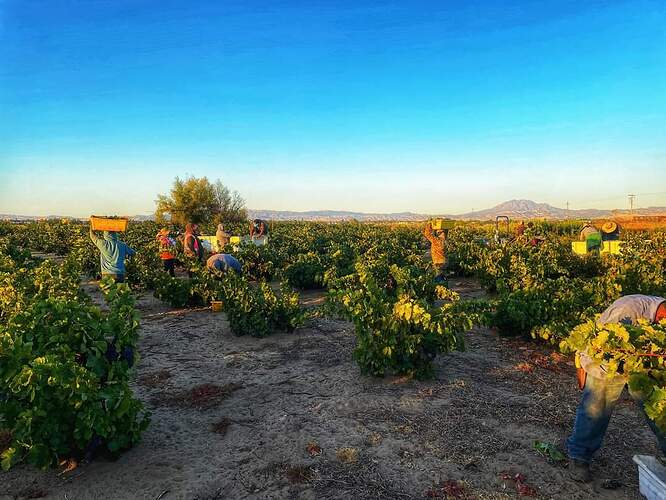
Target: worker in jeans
{"points": [[113, 253], [601, 392]]}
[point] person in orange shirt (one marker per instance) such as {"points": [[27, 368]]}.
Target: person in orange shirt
{"points": [[437, 241], [167, 251]]}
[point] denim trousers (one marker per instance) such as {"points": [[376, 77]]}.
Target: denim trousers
{"points": [[593, 415]]}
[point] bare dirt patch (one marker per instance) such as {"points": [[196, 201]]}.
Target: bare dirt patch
{"points": [[202, 396], [469, 428]]}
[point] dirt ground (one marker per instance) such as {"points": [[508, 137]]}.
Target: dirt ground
{"points": [[290, 416]]}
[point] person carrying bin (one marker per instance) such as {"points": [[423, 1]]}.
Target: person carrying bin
{"points": [[167, 251], [113, 253], [437, 241]]}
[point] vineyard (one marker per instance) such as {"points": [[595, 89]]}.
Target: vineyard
{"points": [[339, 367]]}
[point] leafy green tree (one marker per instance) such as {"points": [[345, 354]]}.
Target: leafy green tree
{"points": [[198, 200], [230, 205]]}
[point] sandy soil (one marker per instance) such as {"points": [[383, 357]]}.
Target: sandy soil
{"points": [[290, 416]]}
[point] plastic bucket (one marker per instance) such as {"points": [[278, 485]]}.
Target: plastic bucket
{"points": [[651, 477], [216, 305]]}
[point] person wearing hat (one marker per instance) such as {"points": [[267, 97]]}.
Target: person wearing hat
{"points": [[600, 392], [167, 251], [610, 231]]}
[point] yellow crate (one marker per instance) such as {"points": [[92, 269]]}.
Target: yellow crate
{"points": [[235, 240], [217, 306], [612, 247], [113, 224], [579, 247], [439, 224]]}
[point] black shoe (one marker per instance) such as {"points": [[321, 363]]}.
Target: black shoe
{"points": [[580, 471]]}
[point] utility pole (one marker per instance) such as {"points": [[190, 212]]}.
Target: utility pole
{"points": [[568, 210], [631, 202]]}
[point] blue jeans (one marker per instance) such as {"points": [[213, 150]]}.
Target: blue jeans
{"points": [[593, 415]]}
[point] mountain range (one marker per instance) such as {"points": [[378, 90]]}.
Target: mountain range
{"points": [[514, 209]]}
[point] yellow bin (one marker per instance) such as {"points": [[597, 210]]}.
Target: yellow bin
{"points": [[235, 240], [216, 305], [579, 247], [612, 247], [115, 224], [439, 224]]}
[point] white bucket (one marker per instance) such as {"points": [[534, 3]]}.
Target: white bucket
{"points": [[651, 477]]}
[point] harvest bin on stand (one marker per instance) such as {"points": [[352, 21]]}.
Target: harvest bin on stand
{"points": [[116, 224]]}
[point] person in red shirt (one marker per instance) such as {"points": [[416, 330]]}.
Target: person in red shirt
{"points": [[167, 251]]}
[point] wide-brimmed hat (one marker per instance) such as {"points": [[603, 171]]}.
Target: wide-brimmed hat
{"points": [[609, 227]]}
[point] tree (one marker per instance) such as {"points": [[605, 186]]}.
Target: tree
{"points": [[197, 200], [230, 204]]}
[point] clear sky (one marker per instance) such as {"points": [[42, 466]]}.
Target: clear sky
{"points": [[432, 107]]}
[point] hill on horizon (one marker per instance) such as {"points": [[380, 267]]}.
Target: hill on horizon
{"points": [[514, 209]]}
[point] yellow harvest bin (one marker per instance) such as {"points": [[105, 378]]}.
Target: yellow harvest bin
{"points": [[579, 247], [235, 240], [612, 247], [439, 224], [216, 306], [114, 224]]}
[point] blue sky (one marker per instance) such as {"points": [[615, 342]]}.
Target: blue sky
{"points": [[433, 107]]}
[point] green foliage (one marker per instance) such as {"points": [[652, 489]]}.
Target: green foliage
{"points": [[258, 310], [306, 272], [636, 351], [399, 331], [64, 365], [197, 200]]}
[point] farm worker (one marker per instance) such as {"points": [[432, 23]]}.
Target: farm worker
{"points": [[258, 228], [113, 253], [223, 262], [192, 245], [520, 229], [600, 392], [191, 242], [587, 231], [222, 236], [167, 251], [610, 231], [437, 241]]}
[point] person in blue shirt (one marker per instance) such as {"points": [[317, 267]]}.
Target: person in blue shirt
{"points": [[113, 253], [223, 262]]}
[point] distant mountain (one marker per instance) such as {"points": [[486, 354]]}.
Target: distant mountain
{"points": [[514, 209], [528, 209]]}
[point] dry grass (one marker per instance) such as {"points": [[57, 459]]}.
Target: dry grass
{"points": [[313, 449], [299, 474], [347, 455]]}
